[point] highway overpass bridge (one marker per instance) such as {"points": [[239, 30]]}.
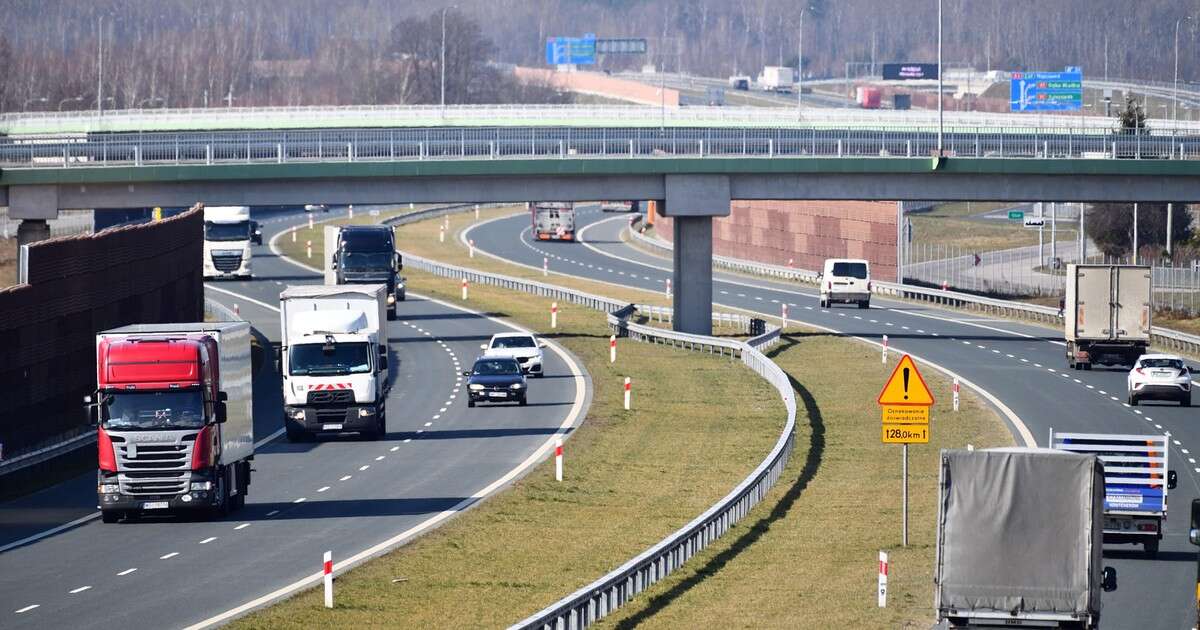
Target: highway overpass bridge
{"points": [[694, 171]]}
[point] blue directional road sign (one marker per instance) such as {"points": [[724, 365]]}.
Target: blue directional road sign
{"points": [[577, 51], [1046, 91]]}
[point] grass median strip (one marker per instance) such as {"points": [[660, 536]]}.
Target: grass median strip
{"points": [[806, 556], [699, 425]]}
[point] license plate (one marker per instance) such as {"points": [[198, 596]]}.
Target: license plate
{"points": [[497, 394], [1161, 373], [331, 427], [154, 505]]}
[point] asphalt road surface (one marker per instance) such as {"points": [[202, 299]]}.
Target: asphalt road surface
{"points": [[1021, 368], [356, 498]]}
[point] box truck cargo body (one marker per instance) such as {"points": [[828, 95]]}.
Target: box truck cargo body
{"points": [[1107, 313]]}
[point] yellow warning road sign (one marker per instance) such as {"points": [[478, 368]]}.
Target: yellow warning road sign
{"points": [[906, 387]]}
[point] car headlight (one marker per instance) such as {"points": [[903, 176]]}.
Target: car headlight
{"points": [[391, 299], [516, 386], [109, 488], [201, 485], [475, 387]]}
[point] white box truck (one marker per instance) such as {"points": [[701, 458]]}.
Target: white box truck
{"points": [[334, 359], [1019, 539], [1106, 314], [228, 234], [777, 79], [174, 410]]}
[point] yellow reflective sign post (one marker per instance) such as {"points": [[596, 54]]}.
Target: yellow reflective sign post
{"points": [[904, 404]]}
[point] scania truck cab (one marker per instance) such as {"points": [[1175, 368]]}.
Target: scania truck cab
{"points": [[228, 234], [174, 414], [366, 254]]}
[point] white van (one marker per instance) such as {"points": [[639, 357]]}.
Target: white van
{"points": [[847, 281]]}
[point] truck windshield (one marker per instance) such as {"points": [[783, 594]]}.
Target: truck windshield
{"points": [[315, 359], [227, 231], [352, 261], [172, 409]]}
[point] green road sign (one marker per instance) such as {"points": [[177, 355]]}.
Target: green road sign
{"points": [[1016, 215]]}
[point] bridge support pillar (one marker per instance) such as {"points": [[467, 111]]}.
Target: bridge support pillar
{"points": [[691, 202], [33, 205]]}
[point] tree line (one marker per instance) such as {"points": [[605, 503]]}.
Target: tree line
{"points": [[184, 53]]}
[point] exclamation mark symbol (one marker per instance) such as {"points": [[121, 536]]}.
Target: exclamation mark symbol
{"points": [[905, 375]]}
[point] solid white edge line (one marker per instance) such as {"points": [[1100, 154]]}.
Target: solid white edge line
{"points": [[535, 457]]}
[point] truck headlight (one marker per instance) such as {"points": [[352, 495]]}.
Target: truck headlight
{"points": [[516, 386], [475, 387], [110, 488], [297, 414], [201, 485], [364, 412]]}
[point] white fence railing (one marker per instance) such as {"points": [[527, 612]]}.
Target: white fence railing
{"points": [[594, 601], [1162, 337]]}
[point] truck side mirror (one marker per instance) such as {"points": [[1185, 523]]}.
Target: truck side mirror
{"points": [[1194, 536], [222, 396], [255, 233], [541, 344], [483, 346], [1108, 579], [383, 362], [93, 410], [222, 412], [399, 262], [467, 373], [333, 262], [1172, 480]]}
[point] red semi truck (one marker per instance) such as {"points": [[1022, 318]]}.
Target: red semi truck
{"points": [[173, 406]]}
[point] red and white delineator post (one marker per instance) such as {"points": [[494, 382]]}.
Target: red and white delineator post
{"points": [[668, 287], [441, 234], [310, 222], [783, 318], [471, 248], [545, 265], [883, 576], [236, 311], [628, 388], [956, 393], [554, 314], [328, 577], [612, 348], [558, 459], [293, 234], [350, 211], [308, 248], [464, 288], [884, 350], [476, 211]]}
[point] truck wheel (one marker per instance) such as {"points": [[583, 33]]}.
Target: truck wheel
{"points": [[110, 516], [864, 304], [221, 509], [1151, 546], [294, 433]]}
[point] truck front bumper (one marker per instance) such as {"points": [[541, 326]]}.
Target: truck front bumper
{"points": [[333, 419], [201, 494]]}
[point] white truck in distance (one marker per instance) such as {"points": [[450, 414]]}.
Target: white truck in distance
{"points": [[228, 233], [778, 79], [1106, 314], [334, 359]]}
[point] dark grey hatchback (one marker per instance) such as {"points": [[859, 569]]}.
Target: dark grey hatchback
{"points": [[495, 379]]}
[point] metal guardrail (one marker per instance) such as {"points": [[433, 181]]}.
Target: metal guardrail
{"points": [[565, 141], [592, 602], [1164, 337]]}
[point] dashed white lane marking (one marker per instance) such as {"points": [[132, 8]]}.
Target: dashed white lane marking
{"points": [[322, 488], [1127, 405], [78, 590], [428, 424], [363, 467], [407, 440], [857, 317], [1137, 412], [26, 609], [1177, 443], [1091, 387], [242, 526], [300, 500], [774, 301], [1037, 365], [889, 324], [169, 556], [758, 297], [346, 478], [811, 308], [724, 293], [741, 295], [435, 418], [208, 540], [1024, 360], [920, 331], [1112, 398], [127, 571], [380, 458], [1184, 451], [965, 343], [1078, 381], [394, 449], [995, 351], [442, 410], [1158, 426], [1102, 392], [905, 327]]}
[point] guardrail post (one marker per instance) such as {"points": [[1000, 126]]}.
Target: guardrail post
{"points": [[492, 149], [1045, 148], [631, 147], [279, 153], [977, 147], [770, 147], [562, 149], [909, 147], [137, 155], [208, 154], [701, 141], [176, 148], [839, 147], [66, 159], [349, 151], [421, 150]]}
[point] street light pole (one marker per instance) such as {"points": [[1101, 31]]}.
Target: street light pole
{"points": [[1175, 90], [941, 120], [100, 67], [444, 58], [800, 65]]}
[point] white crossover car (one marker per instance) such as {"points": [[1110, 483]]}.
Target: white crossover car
{"points": [[520, 346], [1160, 377]]}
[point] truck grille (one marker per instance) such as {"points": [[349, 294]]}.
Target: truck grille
{"points": [[157, 469], [227, 263], [331, 415], [334, 397]]}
